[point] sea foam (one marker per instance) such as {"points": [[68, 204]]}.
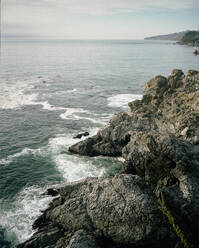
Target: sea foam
{"points": [[25, 151], [23, 211], [122, 100]]}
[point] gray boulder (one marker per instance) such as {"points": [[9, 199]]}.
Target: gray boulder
{"points": [[122, 209]]}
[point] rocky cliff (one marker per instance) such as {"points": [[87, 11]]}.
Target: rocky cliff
{"points": [[159, 141]]}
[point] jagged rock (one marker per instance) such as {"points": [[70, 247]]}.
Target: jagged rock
{"points": [[159, 141], [157, 85], [110, 140], [160, 160], [122, 209], [168, 106]]}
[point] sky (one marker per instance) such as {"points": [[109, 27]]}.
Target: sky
{"points": [[97, 19]]}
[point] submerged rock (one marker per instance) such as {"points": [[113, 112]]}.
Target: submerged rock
{"points": [[80, 135]]}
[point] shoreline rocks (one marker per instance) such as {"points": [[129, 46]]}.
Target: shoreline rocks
{"points": [[120, 208], [159, 141]]}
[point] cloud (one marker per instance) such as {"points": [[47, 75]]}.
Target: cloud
{"points": [[104, 6], [68, 17]]}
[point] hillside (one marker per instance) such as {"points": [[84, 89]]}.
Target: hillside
{"points": [[190, 38], [173, 36]]}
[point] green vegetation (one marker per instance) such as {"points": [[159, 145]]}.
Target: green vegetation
{"points": [[191, 37], [172, 221]]}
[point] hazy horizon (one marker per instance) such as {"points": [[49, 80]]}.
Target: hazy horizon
{"points": [[93, 20]]}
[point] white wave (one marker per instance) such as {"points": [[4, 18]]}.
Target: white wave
{"points": [[55, 146], [62, 142], [95, 121], [74, 168], [70, 111], [16, 100], [122, 100], [47, 106], [23, 212], [14, 94], [121, 159], [25, 151]]}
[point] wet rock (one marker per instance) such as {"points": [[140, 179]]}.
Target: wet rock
{"points": [[85, 147], [80, 135], [109, 140], [52, 192]]}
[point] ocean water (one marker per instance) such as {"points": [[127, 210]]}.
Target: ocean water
{"points": [[53, 90]]}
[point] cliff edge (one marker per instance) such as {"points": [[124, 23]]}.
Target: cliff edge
{"points": [[159, 141]]}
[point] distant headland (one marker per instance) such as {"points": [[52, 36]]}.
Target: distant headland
{"points": [[189, 37]]}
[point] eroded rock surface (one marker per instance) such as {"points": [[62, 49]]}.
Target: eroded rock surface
{"points": [[123, 209]]}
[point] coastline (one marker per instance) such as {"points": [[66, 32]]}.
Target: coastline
{"points": [[159, 141]]}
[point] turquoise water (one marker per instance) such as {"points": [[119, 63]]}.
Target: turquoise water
{"points": [[51, 91]]}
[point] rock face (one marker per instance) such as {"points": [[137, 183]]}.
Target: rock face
{"points": [[123, 209], [169, 106], [159, 141]]}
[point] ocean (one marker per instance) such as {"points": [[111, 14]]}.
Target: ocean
{"points": [[52, 90]]}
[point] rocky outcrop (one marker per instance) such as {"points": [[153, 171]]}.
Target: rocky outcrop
{"points": [[159, 141], [122, 209], [169, 106]]}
